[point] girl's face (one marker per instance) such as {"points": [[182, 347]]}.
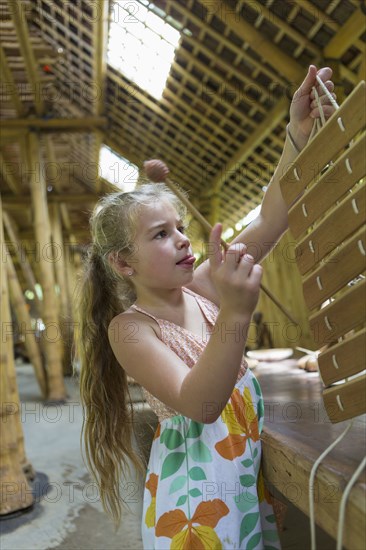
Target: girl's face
{"points": [[159, 245]]}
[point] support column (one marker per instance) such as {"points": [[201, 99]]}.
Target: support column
{"points": [[15, 492], [52, 336], [65, 316], [25, 324], [22, 257]]}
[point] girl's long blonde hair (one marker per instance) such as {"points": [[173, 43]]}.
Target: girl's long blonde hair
{"points": [[107, 430]]}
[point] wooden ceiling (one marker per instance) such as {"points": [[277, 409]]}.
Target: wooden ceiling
{"points": [[221, 122]]}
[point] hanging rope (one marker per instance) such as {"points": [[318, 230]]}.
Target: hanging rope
{"points": [[342, 507], [311, 483]]}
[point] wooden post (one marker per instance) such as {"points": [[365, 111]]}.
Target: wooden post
{"points": [[15, 493], [52, 338], [64, 298], [25, 324], [22, 257]]}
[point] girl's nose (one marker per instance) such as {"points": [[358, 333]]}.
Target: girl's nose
{"points": [[183, 241]]}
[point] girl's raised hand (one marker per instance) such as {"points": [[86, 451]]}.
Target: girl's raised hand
{"points": [[235, 275], [304, 109]]}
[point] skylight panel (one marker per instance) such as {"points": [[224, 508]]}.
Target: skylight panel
{"points": [[117, 170], [141, 45]]}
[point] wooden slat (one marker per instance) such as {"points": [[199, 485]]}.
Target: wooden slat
{"points": [[11, 180], [274, 117], [344, 359], [342, 315], [339, 269], [332, 231], [55, 124], [319, 151], [273, 55], [345, 37], [331, 186], [24, 201], [35, 78], [346, 400]]}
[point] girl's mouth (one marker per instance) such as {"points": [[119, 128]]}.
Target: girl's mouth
{"points": [[189, 260]]}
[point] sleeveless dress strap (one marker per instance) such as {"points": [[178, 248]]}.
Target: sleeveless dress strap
{"points": [[209, 309], [146, 313]]}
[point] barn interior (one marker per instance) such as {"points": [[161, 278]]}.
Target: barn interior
{"points": [[90, 90]]}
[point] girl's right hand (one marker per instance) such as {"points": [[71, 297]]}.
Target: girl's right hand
{"points": [[236, 277]]}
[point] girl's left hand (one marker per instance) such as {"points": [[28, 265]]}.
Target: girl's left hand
{"points": [[304, 109]]}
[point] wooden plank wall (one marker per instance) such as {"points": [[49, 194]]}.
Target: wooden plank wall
{"points": [[282, 277]]}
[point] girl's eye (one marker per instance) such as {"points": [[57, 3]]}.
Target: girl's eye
{"points": [[161, 233]]}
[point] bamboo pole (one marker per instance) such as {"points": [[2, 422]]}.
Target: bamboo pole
{"points": [[22, 257], [15, 493], [24, 322], [52, 336], [64, 298]]}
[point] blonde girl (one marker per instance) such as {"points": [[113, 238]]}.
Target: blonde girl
{"points": [[180, 332]]}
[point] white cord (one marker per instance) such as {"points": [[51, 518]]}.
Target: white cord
{"points": [[327, 92], [342, 507], [321, 112], [311, 483]]}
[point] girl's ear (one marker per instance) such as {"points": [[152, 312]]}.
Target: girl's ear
{"points": [[119, 264]]}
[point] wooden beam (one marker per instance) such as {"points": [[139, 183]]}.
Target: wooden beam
{"points": [[346, 36], [10, 84], [101, 9], [31, 66], [61, 278], [269, 52], [362, 69], [79, 198], [186, 11], [262, 131], [11, 441], [52, 168], [68, 235], [9, 178], [52, 346], [9, 135], [55, 124], [21, 256], [65, 216], [25, 324]]}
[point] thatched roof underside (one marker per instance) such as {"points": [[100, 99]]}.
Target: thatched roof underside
{"points": [[221, 122]]}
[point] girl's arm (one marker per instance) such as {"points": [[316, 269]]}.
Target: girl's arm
{"points": [[201, 392], [267, 228], [264, 232]]}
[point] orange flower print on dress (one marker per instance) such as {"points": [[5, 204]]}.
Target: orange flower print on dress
{"points": [[152, 486], [157, 432], [263, 493], [242, 423], [187, 536]]}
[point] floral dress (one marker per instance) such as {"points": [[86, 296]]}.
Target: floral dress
{"points": [[204, 486]]}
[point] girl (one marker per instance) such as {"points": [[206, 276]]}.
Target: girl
{"points": [[181, 333]]}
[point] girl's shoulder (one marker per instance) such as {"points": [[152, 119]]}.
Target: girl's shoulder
{"points": [[134, 321]]}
